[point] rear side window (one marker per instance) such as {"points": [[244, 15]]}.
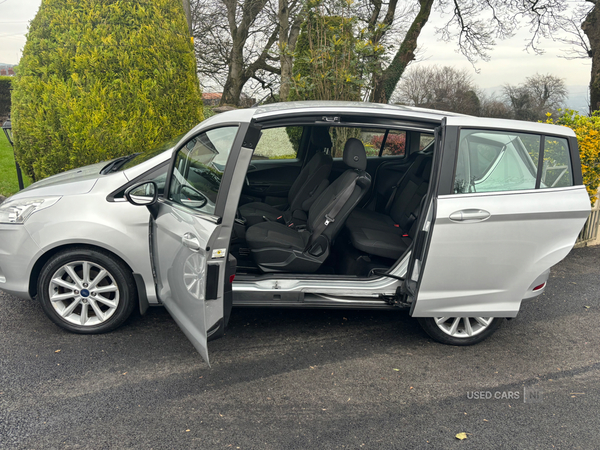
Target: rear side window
{"points": [[556, 171], [492, 161], [278, 143], [395, 143], [392, 141]]}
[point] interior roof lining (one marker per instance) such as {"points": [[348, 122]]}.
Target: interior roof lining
{"points": [[346, 119]]}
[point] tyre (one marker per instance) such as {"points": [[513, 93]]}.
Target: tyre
{"points": [[460, 330], [86, 291]]}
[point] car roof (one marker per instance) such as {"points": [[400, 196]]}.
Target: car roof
{"points": [[280, 110]]}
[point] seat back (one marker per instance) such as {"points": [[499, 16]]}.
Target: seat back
{"points": [[404, 209], [356, 159], [313, 176]]}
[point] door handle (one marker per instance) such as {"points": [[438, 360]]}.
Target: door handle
{"points": [[469, 215], [191, 242]]}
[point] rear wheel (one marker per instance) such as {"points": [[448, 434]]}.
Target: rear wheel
{"points": [[460, 330], [86, 291]]}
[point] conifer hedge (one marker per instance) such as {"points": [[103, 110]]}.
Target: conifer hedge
{"points": [[102, 79]]}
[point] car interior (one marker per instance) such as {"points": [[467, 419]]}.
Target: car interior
{"points": [[331, 199]]}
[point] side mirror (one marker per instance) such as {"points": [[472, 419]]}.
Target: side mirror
{"points": [[142, 194], [192, 198]]}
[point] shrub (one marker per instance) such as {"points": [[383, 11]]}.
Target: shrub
{"points": [[587, 130], [98, 80], [4, 97]]}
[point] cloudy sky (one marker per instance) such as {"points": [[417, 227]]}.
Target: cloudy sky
{"points": [[509, 63]]}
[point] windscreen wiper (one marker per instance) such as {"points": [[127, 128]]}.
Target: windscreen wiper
{"points": [[115, 164]]}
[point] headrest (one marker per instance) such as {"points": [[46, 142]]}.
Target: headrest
{"points": [[355, 156], [320, 137]]}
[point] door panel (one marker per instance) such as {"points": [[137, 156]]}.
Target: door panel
{"points": [[180, 243], [191, 230], [270, 181], [484, 265]]}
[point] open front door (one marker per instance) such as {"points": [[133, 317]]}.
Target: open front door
{"points": [[509, 205], [191, 229]]}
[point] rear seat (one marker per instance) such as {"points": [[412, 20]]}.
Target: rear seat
{"points": [[389, 233]]}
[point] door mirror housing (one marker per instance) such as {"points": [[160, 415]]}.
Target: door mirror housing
{"points": [[142, 194]]}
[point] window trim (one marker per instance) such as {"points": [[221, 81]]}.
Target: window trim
{"points": [[575, 179], [227, 178]]}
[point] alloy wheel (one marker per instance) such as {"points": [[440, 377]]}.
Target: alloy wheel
{"points": [[463, 327], [84, 293]]}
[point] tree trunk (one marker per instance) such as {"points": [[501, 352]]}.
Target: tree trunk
{"points": [[387, 81], [591, 27], [288, 37], [238, 75], [285, 58], [188, 14], [235, 78]]}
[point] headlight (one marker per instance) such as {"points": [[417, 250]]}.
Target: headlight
{"points": [[17, 211]]}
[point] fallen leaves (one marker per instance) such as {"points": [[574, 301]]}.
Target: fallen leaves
{"points": [[461, 436], [57, 351]]}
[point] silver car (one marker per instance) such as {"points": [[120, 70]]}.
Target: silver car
{"points": [[454, 218]]}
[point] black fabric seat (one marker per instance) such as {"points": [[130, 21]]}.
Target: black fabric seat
{"points": [[276, 247], [311, 182], [389, 233]]}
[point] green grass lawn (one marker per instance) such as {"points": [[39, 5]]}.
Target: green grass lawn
{"points": [[8, 172]]}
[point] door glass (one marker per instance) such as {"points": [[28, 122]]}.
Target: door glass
{"points": [[490, 161], [199, 167], [278, 143], [557, 164]]}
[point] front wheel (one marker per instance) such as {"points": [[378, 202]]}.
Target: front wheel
{"points": [[86, 291], [460, 330]]}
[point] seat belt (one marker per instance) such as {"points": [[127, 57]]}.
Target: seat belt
{"points": [[419, 173], [338, 204], [388, 205]]}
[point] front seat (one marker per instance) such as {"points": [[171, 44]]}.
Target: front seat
{"points": [[278, 248], [311, 182]]}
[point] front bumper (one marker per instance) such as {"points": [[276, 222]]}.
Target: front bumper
{"points": [[17, 254]]}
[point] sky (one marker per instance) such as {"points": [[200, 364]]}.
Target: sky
{"points": [[509, 62]]}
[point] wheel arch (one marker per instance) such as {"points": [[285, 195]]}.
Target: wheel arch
{"points": [[49, 253]]}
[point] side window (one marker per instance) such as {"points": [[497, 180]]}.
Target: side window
{"points": [[556, 170], [395, 143], [372, 138], [199, 167], [425, 140], [490, 161], [278, 143], [159, 176]]}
